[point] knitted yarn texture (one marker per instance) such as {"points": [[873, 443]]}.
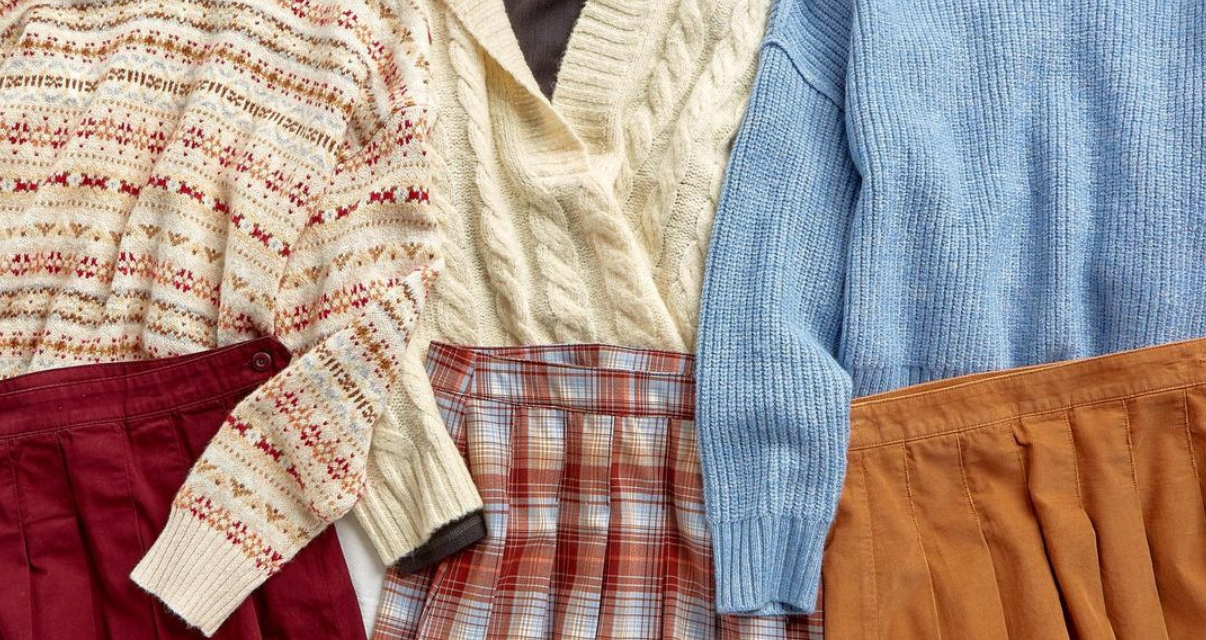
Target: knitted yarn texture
{"points": [[584, 218], [176, 176], [927, 189]]}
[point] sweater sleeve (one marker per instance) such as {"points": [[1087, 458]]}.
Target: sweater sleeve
{"points": [[773, 404], [291, 457]]}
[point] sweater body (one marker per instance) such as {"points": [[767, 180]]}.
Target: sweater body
{"points": [[585, 218], [928, 190], [179, 176]]}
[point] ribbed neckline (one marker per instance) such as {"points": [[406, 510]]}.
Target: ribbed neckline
{"points": [[591, 75]]}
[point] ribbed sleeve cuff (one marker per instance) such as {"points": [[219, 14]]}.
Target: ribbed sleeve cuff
{"points": [[197, 572], [412, 494], [768, 566]]}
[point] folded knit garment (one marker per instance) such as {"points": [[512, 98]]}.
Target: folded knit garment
{"points": [[176, 176], [583, 218], [922, 190]]}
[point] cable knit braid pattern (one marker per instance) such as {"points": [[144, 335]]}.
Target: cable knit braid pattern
{"points": [[582, 218]]}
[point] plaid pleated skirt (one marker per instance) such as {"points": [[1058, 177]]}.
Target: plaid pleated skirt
{"points": [[1055, 502], [587, 462]]}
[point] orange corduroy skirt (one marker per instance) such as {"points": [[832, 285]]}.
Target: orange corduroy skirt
{"points": [[1061, 502]]}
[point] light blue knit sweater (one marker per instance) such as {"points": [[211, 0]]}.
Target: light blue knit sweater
{"points": [[923, 189]]}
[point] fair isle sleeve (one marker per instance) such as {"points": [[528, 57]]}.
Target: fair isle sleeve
{"points": [[291, 458], [773, 399]]}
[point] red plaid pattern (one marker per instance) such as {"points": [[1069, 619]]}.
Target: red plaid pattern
{"points": [[586, 459]]}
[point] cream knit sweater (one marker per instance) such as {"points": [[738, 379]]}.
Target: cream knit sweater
{"points": [[178, 175], [585, 219]]}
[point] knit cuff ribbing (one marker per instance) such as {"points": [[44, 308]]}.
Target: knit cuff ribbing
{"points": [[197, 572], [414, 492], [768, 566]]}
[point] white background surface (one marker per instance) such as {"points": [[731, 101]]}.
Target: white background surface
{"points": [[364, 565]]}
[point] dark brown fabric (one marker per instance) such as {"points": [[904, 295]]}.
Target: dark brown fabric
{"points": [[543, 28], [447, 540]]}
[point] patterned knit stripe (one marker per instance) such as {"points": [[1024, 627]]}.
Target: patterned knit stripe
{"points": [[266, 29], [179, 175], [258, 57]]}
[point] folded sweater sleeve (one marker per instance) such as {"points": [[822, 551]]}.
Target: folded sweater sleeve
{"points": [[291, 457], [773, 405]]}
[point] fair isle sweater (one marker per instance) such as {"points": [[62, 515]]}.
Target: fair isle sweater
{"points": [[584, 218], [926, 189], [177, 175]]}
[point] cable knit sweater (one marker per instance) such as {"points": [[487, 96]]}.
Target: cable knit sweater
{"points": [[179, 175], [926, 189], [583, 219]]}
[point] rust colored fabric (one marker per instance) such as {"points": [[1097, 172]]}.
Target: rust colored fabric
{"points": [[1055, 502], [90, 458]]}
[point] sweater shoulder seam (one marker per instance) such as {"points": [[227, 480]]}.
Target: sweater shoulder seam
{"points": [[772, 42]]}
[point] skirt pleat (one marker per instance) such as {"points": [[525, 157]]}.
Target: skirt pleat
{"points": [[584, 501], [97, 472], [852, 600], [1168, 486], [16, 621], [632, 595], [525, 574], [1053, 479], [996, 481], [962, 574], [63, 595], [902, 569], [161, 464], [1101, 435]]}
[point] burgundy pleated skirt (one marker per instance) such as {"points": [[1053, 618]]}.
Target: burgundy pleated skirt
{"points": [[90, 458]]}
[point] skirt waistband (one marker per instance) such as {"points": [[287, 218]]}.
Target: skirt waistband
{"points": [[73, 396], [588, 378], [976, 400]]}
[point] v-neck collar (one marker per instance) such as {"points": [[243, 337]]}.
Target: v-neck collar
{"points": [[599, 53]]}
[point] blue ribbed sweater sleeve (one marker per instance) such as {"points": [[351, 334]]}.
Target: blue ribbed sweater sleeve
{"points": [[773, 401]]}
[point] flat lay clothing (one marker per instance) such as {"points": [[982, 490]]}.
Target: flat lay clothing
{"points": [[542, 30], [926, 190], [587, 462], [92, 456], [1060, 501], [178, 176], [583, 218]]}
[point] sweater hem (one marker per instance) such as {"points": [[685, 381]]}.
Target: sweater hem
{"points": [[768, 566]]}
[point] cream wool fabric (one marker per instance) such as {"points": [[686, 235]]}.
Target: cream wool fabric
{"points": [[583, 219]]}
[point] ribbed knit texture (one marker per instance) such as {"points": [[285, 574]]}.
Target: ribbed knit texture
{"points": [[926, 190], [176, 176], [583, 219]]}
